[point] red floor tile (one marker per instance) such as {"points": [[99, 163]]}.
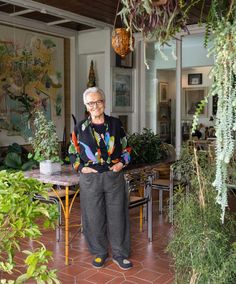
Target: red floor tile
{"points": [[151, 262]]}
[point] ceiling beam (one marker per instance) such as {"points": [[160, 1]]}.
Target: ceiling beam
{"points": [[58, 22], [58, 13], [22, 12], [38, 26]]}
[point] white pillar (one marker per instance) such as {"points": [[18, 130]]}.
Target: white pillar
{"points": [[178, 130]]}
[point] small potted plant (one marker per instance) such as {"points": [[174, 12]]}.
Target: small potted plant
{"points": [[45, 144]]}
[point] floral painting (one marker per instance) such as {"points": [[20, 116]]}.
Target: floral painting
{"points": [[31, 75]]}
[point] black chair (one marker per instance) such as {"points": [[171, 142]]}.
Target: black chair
{"points": [[139, 186]]}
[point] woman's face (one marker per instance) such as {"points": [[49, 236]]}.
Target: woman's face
{"points": [[95, 105]]}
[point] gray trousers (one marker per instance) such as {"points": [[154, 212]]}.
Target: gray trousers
{"points": [[104, 206]]}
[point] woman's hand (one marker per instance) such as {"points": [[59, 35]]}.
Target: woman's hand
{"points": [[117, 167], [87, 170]]}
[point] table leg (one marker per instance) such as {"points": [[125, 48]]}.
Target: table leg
{"points": [[67, 226]]}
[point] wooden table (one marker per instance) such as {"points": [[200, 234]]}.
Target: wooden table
{"points": [[67, 178]]}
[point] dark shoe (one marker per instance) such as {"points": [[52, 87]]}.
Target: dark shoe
{"points": [[99, 261], [122, 262]]}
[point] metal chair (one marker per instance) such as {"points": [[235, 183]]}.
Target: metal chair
{"points": [[165, 184], [140, 194], [53, 198]]}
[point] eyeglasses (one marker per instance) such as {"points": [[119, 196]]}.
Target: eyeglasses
{"points": [[97, 103]]}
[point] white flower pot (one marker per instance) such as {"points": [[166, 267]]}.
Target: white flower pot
{"points": [[48, 167]]}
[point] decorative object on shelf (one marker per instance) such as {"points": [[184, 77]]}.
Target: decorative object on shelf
{"points": [[92, 78], [126, 62], [195, 79], [45, 144], [163, 92], [122, 98]]}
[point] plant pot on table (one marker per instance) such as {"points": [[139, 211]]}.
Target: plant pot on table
{"points": [[48, 167]]}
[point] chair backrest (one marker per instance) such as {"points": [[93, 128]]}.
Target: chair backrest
{"points": [[162, 170], [138, 183]]}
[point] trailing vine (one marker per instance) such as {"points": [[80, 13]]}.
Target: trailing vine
{"points": [[160, 22], [224, 86]]}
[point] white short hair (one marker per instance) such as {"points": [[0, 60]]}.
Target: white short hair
{"points": [[93, 90]]}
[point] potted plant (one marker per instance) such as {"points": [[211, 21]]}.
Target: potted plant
{"points": [[45, 144], [19, 223], [146, 147]]}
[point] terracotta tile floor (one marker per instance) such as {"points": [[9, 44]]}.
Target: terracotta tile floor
{"points": [[151, 262]]}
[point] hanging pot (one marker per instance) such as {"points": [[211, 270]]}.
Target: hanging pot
{"points": [[121, 41], [159, 2]]}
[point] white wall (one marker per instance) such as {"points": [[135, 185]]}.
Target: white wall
{"points": [[94, 45]]}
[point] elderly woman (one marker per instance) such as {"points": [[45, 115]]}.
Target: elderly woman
{"points": [[99, 150]]}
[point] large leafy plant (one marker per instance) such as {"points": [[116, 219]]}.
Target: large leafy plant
{"points": [[146, 147], [16, 158], [45, 141], [19, 220]]}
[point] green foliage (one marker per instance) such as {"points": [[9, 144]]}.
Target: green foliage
{"points": [[18, 221], [146, 147], [45, 141], [221, 31], [202, 247], [158, 22], [16, 158]]}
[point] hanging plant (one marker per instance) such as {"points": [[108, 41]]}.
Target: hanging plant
{"points": [[224, 86], [224, 73], [159, 20]]}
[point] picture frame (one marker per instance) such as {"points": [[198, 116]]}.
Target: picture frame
{"points": [[195, 79], [163, 92], [122, 97], [126, 62], [192, 98], [164, 111], [124, 121]]}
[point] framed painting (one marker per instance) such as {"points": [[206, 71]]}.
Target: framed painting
{"points": [[122, 100], [193, 97], [124, 121], [126, 62], [33, 78], [195, 79], [163, 92]]}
